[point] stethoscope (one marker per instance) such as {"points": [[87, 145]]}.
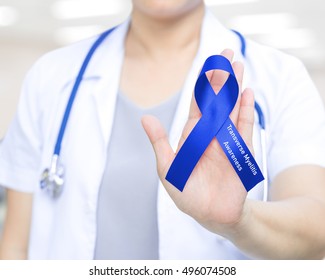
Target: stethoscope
{"points": [[52, 178]]}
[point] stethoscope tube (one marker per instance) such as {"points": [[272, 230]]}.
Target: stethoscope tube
{"points": [[75, 88]]}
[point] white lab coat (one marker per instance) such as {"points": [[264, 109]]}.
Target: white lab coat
{"points": [[66, 228]]}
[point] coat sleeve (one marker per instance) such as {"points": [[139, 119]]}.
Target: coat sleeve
{"points": [[20, 150], [297, 126]]}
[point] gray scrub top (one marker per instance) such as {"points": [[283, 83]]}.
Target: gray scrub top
{"points": [[127, 203]]}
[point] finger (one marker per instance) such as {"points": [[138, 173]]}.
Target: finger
{"points": [[238, 68], [246, 117], [217, 79], [159, 141]]}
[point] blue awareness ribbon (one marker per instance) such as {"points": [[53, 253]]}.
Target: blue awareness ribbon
{"points": [[215, 122]]}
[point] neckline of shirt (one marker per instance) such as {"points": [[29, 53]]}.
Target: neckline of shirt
{"points": [[173, 99]]}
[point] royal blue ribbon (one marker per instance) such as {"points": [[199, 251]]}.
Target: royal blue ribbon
{"points": [[215, 122]]}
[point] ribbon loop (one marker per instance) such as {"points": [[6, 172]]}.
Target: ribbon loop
{"points": [[215, 122]]}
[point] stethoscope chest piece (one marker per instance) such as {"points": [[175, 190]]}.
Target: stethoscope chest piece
{"points": [[52, 179]]}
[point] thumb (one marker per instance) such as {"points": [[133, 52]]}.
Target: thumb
{"points": [[159, 141]]}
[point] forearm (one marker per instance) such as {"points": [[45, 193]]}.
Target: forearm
{"points": [[15, 236], [289, 229], [12, 252]]}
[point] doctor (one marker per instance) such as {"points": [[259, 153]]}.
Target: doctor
{"points": [[112, 206]]}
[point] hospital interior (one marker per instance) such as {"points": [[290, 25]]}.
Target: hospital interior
{"points": [[31, 28]]}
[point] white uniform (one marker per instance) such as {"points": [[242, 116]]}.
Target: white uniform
{"points": [[66, 228]]}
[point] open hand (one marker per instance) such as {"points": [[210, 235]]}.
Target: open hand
{"points": [[214, 194]]}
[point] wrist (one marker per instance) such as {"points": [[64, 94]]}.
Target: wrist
{"points": [[238, 230], [233, 230]]}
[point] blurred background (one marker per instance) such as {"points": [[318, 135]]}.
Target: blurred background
{"points": [[29, 28]]}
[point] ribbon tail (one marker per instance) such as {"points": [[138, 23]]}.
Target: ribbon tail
{"points": [[239, 155]]}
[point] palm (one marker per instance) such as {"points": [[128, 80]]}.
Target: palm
{"points": [[214, 194], [213, 191]]}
